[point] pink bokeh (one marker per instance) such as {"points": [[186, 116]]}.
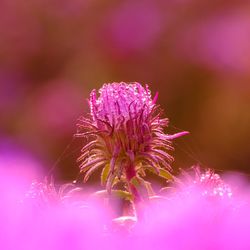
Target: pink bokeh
{"points": [[184, 219]]}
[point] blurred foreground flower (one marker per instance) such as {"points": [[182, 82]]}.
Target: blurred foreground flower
{"points": [[127, 137], [207, 182], [199, 224], [46, 194]]}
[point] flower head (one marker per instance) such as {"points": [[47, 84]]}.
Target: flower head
{"points": [[126, 134], [120, 100], [212, 184], [46, 194], [207, 182]]}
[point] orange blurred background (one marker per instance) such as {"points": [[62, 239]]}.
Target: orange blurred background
{"points": [[195, 53]]}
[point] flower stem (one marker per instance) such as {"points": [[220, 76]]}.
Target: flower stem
{"points": [[130, 174]]}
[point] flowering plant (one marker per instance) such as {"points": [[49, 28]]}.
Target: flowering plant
{"points": [[126, 133]]}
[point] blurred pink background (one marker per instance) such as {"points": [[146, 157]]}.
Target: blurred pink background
{"points": [[195, 53]]}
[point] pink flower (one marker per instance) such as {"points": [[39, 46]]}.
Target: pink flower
{"points": [[208, 183], [126, 135]]}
